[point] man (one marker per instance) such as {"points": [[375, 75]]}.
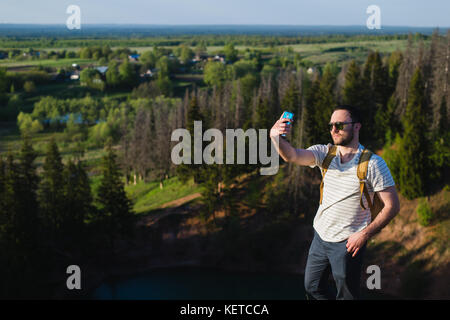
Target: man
{"points": [[341, 226]]}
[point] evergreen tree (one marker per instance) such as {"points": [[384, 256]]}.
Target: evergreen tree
{"points": [[394, 62], [186, 171], [291, 99], [312, 128], [413, 150], [322, 108], [440, 155], [9, 259], [28, 215], [77, 193], [353, 91], [375, 78], [263, 115], [193, 114], [51, 191], [116, 215], [19, 261], [356, 92], [9, 199], [390, 121]]}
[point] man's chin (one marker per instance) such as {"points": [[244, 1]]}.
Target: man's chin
{"points": [[341, 142]]}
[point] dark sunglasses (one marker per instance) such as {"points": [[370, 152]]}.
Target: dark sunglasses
{"points": [[339, 125]]}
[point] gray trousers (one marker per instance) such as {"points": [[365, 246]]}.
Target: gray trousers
{"points": [[325, 257]]}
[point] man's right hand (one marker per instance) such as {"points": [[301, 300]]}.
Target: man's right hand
{"points": [[281, 127], [287, 152]]}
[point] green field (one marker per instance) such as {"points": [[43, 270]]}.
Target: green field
{"points": [[149, 196], [45, 62], [317, 53]]}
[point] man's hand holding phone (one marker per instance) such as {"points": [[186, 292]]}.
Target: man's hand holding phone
{"points": [[283, 125]]}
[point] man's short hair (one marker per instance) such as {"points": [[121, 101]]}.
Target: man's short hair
{"points": [[354, 112]]}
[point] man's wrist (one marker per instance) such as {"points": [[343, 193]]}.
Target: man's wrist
{"points": [[366, 233]]}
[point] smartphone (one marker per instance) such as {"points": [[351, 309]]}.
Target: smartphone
{"points": [[287, 115]]}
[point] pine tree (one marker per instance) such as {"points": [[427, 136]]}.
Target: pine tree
{"points": [[440, 155], [394, 62], [186, 171], [374, 106], [357, 92], [263, 117], [10, 260], [20, 259], [413, 150], [116, 211], [193, 114], [28, 215], [353, 91], [51, 192], [9, 199], [323, 106], [311, 100], [291, 100], [78, 204], [377, 76]]}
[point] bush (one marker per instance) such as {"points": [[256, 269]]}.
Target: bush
{"points": [[29, 86], [27, 125], [424, 212]]}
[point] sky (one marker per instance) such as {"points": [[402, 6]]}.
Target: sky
{"points": [[417, 13]]}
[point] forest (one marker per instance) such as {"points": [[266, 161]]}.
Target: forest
{"points": [[59, 204]]}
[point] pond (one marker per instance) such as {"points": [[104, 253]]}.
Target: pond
{"points": [[195, 283]]}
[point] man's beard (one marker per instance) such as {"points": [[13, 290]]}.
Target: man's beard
{"points": [[346, 141]]}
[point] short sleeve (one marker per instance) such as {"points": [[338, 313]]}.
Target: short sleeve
{"points": [[320, 152], [379, 175]]}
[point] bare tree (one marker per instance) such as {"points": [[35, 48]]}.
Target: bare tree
{"points": [[407, 68], [440, 75]]}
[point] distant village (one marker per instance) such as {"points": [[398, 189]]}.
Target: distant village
{"points": [[74, 71]]}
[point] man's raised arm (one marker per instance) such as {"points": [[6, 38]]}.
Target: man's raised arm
{"points": [[287, 152]]}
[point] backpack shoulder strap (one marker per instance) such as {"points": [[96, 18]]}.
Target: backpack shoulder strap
{"points": [[362, 176], [325, 164]]}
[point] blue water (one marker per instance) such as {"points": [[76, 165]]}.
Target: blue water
{"points": [[65, 118], [184, 283]]}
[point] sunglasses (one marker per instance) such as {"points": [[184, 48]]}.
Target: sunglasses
{"points": [[339, 125]]}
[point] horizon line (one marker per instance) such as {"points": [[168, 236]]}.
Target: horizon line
{"points": [[228, 25]]}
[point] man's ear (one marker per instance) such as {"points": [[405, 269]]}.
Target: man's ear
{"points": [[358, 126]]}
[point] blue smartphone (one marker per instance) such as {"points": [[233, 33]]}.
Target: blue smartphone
{"points": [[287, 115]]}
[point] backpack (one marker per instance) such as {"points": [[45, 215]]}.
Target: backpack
{"points": [[377, 204]]}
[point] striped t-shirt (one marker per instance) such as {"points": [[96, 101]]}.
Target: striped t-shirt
{"points": [[340, 213]]}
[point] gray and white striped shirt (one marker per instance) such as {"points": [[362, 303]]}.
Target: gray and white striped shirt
{"points": [[340, 213]]}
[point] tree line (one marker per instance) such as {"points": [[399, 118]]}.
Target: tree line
{"points": [[404, 97], [387, 88], [51, 219], [266, 40]]}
